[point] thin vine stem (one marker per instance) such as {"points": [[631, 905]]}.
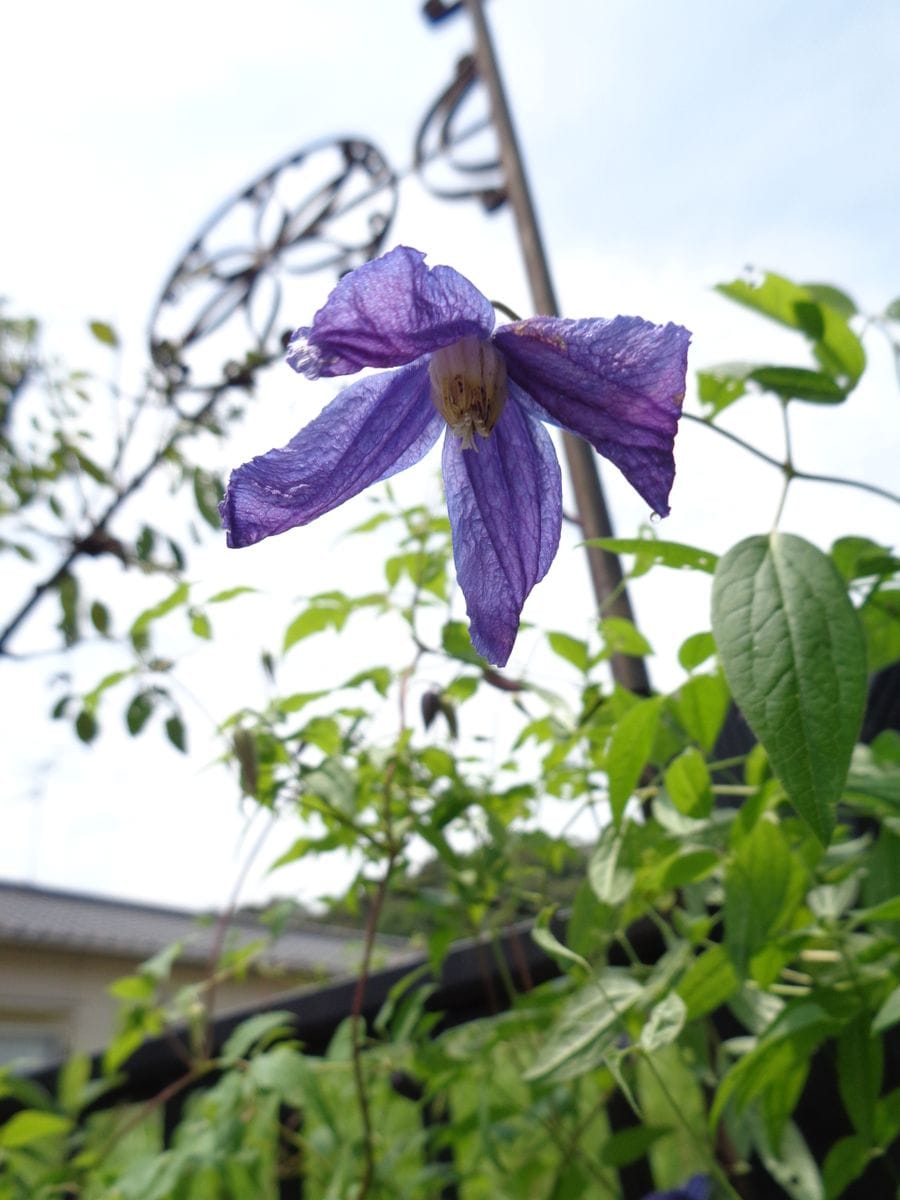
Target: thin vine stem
{"points": [[357, 1025], [393, 848], [810, 476], [787, 467]]}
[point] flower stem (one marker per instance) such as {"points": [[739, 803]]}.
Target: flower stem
{"points": [[809, 476]]}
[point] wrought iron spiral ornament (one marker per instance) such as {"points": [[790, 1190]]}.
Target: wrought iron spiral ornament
{"points": [[326, 207], [442, 133]]}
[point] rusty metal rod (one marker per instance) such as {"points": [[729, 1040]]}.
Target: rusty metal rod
{"points": [[605, 568]]}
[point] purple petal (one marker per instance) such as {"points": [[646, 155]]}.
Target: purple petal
{"points": [[619, 384], [374, 428], [696, 1188], [388, 312], [505, 504]]}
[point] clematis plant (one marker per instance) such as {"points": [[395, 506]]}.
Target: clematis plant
{"points": [[619, 384]]}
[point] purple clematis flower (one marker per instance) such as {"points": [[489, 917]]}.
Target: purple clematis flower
{"points": [[617, 383]]}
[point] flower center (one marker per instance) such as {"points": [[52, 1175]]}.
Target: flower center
{"points": [[468, 387]]}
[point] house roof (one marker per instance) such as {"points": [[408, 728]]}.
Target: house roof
{"points": [[80, 922]]}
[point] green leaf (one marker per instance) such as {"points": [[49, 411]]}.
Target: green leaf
{"points": [[100, 617], [791, 1165], [104, 333], [175, 732], [664, 1024], [68, 601], [696, 649], [86, 726], [323, 732], [888, 910], [29, 1126], [893, 310], [544, 937], [325, 613], [881, 622], [457, 643], [845, 1161], [208, 493], [787, 1044], [628, 1145], [861, 558], [798, 383], [159, 966], [589, 1014], [96, 473], [573, 650], [138, 989], [720, 386], [145, 544], [230, 594], [708, 983], [620, 636], [256, 1030], [874, 778], [200, 624], [794, 656], [860, 1069], [700, 705], [825, 293], [629, 750], [379, 677], [763, 885], [609, 882], [92, 698], [73, 1082], [652, 552], [373, 523], [834, 343], [689, 865], [688, 784], [139, 711], [887, 1118], [889, 1013], [171, 602], [177, 554]]}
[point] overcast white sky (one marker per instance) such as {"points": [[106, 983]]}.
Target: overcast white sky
{"points": [[669, 146]]}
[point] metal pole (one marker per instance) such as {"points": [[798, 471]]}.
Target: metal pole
{"points": [[605, 568]]}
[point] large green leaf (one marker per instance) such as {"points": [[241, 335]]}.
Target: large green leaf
{"points": [[795, 658]]}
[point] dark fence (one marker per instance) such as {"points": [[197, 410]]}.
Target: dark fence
{"points": [[472, 984]]}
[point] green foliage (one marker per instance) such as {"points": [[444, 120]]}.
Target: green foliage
{"points": [[721, 926], [794, 656]]}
